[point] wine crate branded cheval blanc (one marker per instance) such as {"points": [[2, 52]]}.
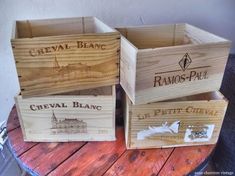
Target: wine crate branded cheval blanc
{"points": [[61, 55]]}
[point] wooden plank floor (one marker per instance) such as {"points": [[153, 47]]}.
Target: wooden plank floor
{"points": [[101, 158]]}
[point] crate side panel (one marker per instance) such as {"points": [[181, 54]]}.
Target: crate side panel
{"points": [[71, 118], [179, 71], [156, 36], [199, 36], [126, 112], [176, 123], [49, 27], [128, 68], [62, 64]]}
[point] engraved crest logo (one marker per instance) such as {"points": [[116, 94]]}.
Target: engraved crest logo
{"points": [[185, 62]]}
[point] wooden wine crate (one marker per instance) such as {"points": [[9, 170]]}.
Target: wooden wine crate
{"points": [[86, 115], [188, 121], [170, 61], [60, 55]]}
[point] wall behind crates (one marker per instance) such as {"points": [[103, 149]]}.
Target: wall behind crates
{"points": [[215, 16]]}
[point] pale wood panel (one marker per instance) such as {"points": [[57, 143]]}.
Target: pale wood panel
{"points": [[199, 36], [40, 28], [102, 27], [164, 64], [107, 90], [159, 64], [203, 96], [171, 92], [191, 115], [155, 36], [128, 67], [67, 69], [67, 118], [61, 26], [167, 60]]}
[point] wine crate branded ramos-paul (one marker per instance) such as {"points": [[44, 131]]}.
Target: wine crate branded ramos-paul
{"points": [[164, 62], [182, 75]]}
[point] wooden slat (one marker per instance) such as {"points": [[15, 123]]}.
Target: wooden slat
{"points": [[17, 143], [128, 67], [13, 121], [155, 36], [185, 159], [94, 158], [45, 157], [140, 162]]}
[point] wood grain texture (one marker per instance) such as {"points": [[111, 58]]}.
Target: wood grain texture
{"points": [[140, 162], [17, 143], [94, 158], [62, 118], [128, 68], [103, 158], [175, 123], [62, 55], [171, 61], [154, 67], [154, 36], [183, 160], [45, 157]]}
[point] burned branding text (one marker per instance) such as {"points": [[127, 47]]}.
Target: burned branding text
{"points": [[75, 104]]}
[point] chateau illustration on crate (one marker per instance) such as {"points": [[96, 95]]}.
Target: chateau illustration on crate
{"points": [[84, 115], [67, 125], [75, 71]]}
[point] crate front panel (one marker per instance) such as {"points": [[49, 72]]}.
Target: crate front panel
{"points": [[67, 118], [177, 72], [49, 65], [175, 124]]}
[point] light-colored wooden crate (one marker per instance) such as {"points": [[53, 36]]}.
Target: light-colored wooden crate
{"points": [[170, 61], [61, 55], [87, 115], [188, 121]]}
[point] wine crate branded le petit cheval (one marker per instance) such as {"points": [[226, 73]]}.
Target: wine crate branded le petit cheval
{"points": [[187, 121], [170, 61]]}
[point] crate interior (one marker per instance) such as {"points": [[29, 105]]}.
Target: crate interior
{"points": [[216, 95], [145, 37], [99, 91], [56, 27]]}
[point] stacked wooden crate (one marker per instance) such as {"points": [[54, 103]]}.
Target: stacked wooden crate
{"points": [[67, 70], [172, 74]]}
